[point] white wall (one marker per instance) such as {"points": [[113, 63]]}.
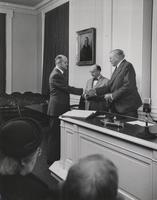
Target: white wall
{"points": [[24, 52], [83, 15], [127, 31], [132, 33], [154, 62]]}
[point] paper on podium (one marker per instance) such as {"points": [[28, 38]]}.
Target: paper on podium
{"points": [[78, 113], [140, 123]]}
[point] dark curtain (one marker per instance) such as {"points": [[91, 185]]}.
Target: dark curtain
{"points": [[2, 53], [56, 40]]}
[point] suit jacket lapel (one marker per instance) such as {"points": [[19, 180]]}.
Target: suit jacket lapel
{"points": [[118, 70], [90, 83], [98, 82]]}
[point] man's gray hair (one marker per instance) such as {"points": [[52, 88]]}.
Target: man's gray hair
{"points": [[118, 52], [93, 177], [60, 57]]}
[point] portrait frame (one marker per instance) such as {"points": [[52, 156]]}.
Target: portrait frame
{"points": [[86, 44]]}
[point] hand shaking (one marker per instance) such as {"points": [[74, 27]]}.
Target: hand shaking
{"points": [[91, 93], [108, 97]]}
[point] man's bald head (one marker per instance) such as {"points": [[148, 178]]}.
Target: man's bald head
{"points": [[93, 177], [95, 71]]}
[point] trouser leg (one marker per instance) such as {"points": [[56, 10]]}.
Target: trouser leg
{"points": [[54, 140]]}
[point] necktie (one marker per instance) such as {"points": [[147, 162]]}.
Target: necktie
{"points": [[114, 72]]}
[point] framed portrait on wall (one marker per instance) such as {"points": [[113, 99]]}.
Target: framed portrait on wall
{"points": [[86, 43]]}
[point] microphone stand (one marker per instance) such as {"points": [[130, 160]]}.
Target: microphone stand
{"points": [[147, 134], [18, 108]]}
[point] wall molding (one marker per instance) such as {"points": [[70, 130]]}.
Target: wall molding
{"points": [[43, 3], [50, 5], [19, 9], [9, 16]]}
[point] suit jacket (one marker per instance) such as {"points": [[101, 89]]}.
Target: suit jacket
{"points": [[123, 87], [59, 102], [96, 103], [14, 187]]}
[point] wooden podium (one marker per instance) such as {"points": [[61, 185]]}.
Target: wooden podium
{"points": [[135, 158]]}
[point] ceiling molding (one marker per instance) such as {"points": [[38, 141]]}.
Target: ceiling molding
{"points": [[8, 11], [19, 8], [43, 3], [44, 6], [8, 5], [51, 5]]}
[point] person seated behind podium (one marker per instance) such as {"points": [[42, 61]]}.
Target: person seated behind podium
{"points": [[93, 177], [19, 148], [97, 80]]}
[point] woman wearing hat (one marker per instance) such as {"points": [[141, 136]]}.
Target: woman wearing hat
{"points": [[19, 148]]}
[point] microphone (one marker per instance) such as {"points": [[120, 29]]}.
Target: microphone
{"points": [[147, 105], [148, 132]]}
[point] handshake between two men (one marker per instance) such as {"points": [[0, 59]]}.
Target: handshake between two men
{"points": [[97, 101], [93, 93]]}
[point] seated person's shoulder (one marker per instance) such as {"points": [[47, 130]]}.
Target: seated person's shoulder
{"points": [[25, 187], [105, 79]]}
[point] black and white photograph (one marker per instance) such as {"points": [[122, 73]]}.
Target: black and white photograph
{"points": [[78, 100]]}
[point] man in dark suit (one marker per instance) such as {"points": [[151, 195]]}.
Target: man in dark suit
{"points": [[59, 103], [97, 80], [121, 90]]}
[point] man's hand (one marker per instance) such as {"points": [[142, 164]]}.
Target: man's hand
{"points": [[91, 93], [108, 97]]}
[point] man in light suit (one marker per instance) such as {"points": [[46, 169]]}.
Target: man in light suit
{"points": [[59, 103], [121, 90], [97, 80]]}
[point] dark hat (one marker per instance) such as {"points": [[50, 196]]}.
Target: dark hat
{"points": [[20, 137]]}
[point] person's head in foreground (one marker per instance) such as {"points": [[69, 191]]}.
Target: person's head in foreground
{"points": [[93, 178], [19, 146]]}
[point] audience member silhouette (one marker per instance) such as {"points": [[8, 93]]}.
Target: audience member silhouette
{"points": [[19, 148], [94, 177]]}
